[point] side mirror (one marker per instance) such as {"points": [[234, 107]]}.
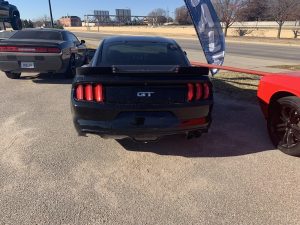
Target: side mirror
{"points": [[82, 42], [185, 52], [90, 54]]}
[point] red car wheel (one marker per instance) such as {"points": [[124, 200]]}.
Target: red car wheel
{"points": [[284, 125]]}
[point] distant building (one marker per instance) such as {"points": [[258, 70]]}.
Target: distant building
{"points": [[123, 15], [101, 16], [70, 21]]}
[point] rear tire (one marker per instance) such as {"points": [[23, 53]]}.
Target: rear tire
{"points": [[16, 23], [71, 70], [11, 75], [284, 125]]}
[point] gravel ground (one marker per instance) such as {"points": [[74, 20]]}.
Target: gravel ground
{"points": [[49, 175]]}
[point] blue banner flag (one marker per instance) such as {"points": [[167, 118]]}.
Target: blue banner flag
{"points": [[209, 31]]}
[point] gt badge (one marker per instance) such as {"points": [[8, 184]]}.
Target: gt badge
{"points": [[145, 94]]}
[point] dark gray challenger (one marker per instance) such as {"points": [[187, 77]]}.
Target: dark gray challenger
{"points": [[142, 88], [42, 51]]}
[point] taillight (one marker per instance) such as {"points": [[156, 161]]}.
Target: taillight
{"points": [[98, 93], [79, 92], [29, 49], [89, 92], [53, 50], [190, 95], [206, 91], [8, 49], [198, 91]]}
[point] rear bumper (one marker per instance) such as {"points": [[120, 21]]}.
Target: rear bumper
{"points": [[54, 63], [140, 121]]}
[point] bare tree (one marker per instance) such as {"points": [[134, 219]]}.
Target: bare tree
{"points": [[229, 11], [296, 30], [255, 10], [182, 16], [282, 11], [296, 18], [43, 21], [157, 17]]}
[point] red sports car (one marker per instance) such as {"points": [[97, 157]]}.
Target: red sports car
{"points": [[279, 95]]}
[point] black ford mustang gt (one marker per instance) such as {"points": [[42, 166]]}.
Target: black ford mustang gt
{"points": [[142, 88]]}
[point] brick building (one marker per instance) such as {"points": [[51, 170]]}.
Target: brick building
{"points": [[70, 21]]}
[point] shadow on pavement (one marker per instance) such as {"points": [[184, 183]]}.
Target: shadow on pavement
{"points": [[240, 88], [47, 78], [238, 129]]}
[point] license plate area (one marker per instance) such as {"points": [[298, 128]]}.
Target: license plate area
{"points": [[145, 120], [27, 65]]}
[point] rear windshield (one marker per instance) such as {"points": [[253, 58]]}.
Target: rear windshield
{"points": [[6, 34], [44, 35], [141, 53]]}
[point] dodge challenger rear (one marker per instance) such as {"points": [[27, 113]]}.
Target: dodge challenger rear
{"points": [[41, 51], [142, 88]]}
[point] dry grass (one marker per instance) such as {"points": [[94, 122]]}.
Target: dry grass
{"points": [[287, 67], [237, 85], [189, 32]]}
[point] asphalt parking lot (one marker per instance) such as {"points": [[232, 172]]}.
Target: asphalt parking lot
{"points": [[49, 175]]}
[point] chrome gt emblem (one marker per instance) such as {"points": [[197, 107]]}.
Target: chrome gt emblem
{"points": [[146, 94]]}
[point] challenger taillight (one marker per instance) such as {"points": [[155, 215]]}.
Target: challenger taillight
{"points": [[30, 49], [89, 92], [198, 91]]}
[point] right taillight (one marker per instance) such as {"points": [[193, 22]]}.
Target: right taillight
{"points": [[98, 93], [206, 91], [89, 92], [198, 91]]}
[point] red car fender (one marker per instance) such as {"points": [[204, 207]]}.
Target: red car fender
{"points": [[276, 83]]}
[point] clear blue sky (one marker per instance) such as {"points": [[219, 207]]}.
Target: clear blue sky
{"points": [[38, 8]]}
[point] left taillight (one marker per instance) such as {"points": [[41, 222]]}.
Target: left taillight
{"points": [[89, 92]]}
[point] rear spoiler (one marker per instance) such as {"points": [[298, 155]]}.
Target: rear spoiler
{"points": [[195, 70]]}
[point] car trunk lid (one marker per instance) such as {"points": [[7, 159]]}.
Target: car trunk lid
{"points": [[172, 85]]}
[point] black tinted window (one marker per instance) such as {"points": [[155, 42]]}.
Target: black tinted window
{"points": [[72, 38], [44, 35], [142, 53], [6, 34]]}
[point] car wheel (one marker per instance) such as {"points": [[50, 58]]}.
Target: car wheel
{"points": [[284, 125], [16, 23], [11, 75], [71, 70]]}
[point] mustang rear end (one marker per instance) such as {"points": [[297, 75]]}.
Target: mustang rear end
{"points": [[116, 103]]}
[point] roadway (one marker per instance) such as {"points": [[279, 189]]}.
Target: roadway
{"points": [[247, 55]]}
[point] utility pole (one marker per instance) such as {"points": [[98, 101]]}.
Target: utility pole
{"points": [[51, 16]]}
